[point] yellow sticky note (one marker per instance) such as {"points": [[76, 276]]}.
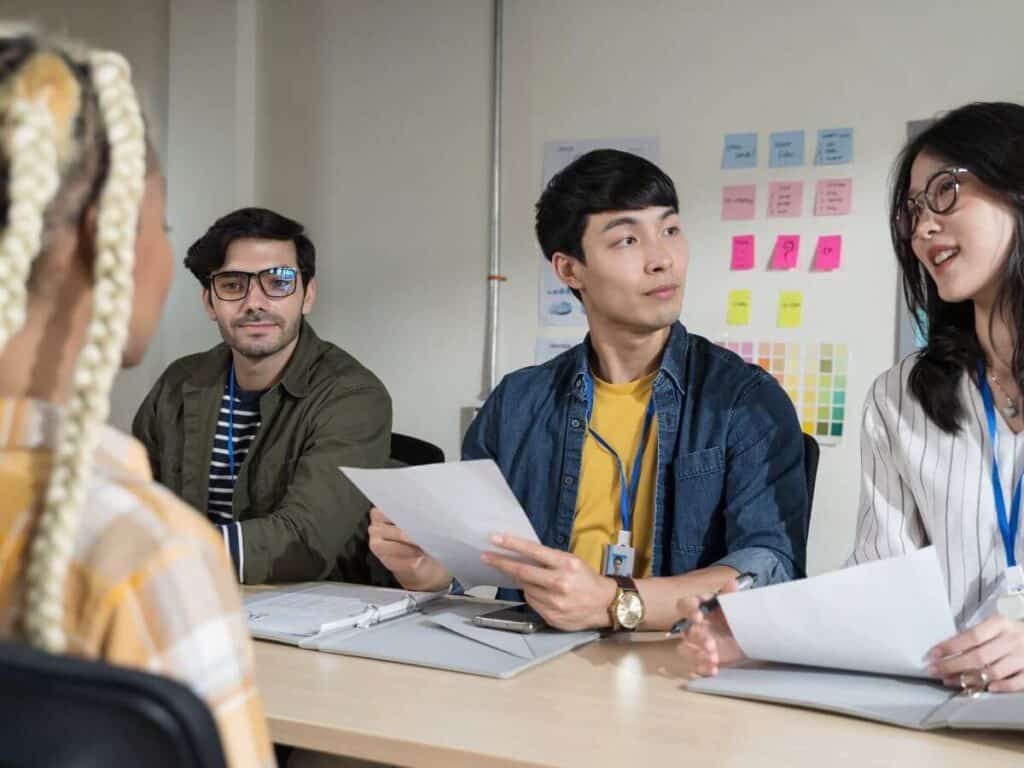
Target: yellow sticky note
{"points": [[791, 305], [739, 307]]}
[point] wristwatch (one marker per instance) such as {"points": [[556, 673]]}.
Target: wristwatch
{"points": [[627, 609]]}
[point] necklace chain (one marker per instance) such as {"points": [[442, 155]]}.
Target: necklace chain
{"points": [[1011, 410]]}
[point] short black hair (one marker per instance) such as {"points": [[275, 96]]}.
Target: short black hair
{"points": [[206, 255], [599, 181]]}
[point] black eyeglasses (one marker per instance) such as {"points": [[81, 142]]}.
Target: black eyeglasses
{"points": [[276, 282], [940, 195]]}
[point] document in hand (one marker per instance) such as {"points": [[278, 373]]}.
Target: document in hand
{"points": [[450, 511], [878, 620], [880, 617]]}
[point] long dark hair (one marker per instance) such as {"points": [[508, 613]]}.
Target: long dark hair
{"points": [[988, 140]]}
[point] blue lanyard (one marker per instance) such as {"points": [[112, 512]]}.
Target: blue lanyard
{"points": [[231, 420], [1007, 527], [627, 493]]}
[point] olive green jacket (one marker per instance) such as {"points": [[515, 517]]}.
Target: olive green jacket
{"points": [[300, 518]]}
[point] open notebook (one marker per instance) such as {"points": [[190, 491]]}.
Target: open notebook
{"points": [[905, 701], [420, 628], [855, 641]]}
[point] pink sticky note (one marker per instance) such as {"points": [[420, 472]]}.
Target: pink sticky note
{"points": [[828, 253], [738, 201], [742, 252], [833, 197], [785, 199], [786, 252]]}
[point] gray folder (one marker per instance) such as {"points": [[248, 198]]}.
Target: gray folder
{"points": [[908, 702], [443, 636]]}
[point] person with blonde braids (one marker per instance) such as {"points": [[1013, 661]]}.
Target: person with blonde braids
{"points": [[96, 560]]}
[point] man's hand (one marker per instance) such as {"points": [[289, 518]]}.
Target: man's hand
{"points": [[558, 585], [414, 568]]}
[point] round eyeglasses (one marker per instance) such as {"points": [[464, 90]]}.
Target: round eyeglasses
{"points": [[276, 283], [940, 195]]}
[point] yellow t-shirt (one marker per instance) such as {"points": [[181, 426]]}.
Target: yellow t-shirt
{"points": [[618, 416]]}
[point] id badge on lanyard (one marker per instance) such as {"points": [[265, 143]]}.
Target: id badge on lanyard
{"points": [[620, 558], [1010, 592]]}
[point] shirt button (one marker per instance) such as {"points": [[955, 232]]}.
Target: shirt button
{"points": [[567, 481], [575, 423], [561, 538]]}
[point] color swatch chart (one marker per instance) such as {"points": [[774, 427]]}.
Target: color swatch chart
{"points": [[814, 377]]}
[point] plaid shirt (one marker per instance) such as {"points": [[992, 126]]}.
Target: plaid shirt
{"points": [[149, 586]]}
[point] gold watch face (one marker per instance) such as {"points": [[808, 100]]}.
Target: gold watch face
{"points": [[629, 610]]}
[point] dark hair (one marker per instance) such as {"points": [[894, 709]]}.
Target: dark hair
{"points": [[988, 140], [206, 255], [599, 181]]}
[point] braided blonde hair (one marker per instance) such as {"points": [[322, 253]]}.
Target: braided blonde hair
{"points": [[38, 145]]}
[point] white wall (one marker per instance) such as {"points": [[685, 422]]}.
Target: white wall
{"points": [[138, 30], [689, 72], [374, 131]]}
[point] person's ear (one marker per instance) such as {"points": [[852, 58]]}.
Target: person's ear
{"points": [[568, 269], [207, 299], [309, 297]]}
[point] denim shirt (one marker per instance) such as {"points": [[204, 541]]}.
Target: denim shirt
{"points": [[730, 485]]}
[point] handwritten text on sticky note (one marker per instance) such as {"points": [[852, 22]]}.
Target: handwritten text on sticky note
{"points": [[740, 151], [738, 202], [739, 307], [791, 305], [785, 199], [833, 197], [787, 149], [835, 146], [828, 253], [786, 252], [742, 253]]}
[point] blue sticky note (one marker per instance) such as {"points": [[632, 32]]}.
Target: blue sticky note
{"points": [[835, 146], [787, 148], [740, 150]]}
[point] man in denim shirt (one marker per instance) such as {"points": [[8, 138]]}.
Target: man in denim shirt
{"points": [[645, 445]]}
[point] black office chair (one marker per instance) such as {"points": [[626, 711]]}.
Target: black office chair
{"points": [[65, 712], [812, 452], [413, 451]]}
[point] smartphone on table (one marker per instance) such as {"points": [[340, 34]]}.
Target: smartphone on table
{"points": [[515, 618]]}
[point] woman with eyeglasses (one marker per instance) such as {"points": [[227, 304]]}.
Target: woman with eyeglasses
{"points": [[942, 439]]}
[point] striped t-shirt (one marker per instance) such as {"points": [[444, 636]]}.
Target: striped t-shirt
{"points": [[245, 423]]}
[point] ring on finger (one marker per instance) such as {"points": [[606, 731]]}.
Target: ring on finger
{"points": [[984, 678]]}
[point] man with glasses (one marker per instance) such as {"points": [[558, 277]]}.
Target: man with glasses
{"points": [[254, 430]]}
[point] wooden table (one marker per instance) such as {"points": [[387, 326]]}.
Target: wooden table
{"points": [[603, 705]]}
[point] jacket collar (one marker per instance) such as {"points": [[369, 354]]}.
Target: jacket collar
{"points": [[673, 360]]}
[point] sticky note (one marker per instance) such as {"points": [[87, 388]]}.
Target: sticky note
{"points": [[833, 197], [835, 146], [785, 199], [739, 307], [740, 151], [787, 149], [742, 253], [786, 252], [738, 202], [791, 305], [828, 253]]}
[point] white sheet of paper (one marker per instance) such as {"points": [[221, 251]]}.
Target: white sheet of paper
{"points": [[451, 511], [880, 617]]}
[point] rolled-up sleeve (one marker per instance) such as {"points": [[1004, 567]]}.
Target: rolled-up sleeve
{"points": [[766, 507]]}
